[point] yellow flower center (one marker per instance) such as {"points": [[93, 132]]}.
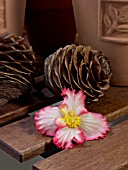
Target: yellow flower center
{"points": [[70, 119]]}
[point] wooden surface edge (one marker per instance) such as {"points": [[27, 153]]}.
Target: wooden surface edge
{"points": [[27, 129], [117, 114], [26, 109], [22, 141], [36, 152], [61, 160], [9, 150]]}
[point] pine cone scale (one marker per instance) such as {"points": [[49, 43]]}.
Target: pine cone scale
{"points": [[16, 67], [80, 68]]}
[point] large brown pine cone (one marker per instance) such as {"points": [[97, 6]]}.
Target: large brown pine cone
{"points": [[79, 68], [16, 67]]}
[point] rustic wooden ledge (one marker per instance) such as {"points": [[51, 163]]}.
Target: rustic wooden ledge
{"points": [[113, 105], [21, 140], [22, 107], [104, 154]]}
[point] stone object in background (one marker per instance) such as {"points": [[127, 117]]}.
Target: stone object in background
{"points": [[12, 13], [103, 24]]}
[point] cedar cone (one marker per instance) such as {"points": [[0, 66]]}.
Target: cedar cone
{"points": [[79, 68], [16, 67]]}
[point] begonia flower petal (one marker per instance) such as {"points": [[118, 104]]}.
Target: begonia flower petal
{"points": [[64, 137], [59, 122], [93, 125], [44, 120], [74, 101], [63, 108]]}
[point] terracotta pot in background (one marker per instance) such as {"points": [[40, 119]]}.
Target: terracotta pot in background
{"points": [[15, 14], [50, 24], [2, 17], [12, 13], [103, 24]]}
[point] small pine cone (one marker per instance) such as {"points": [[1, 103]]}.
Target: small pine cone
{"points": [[79, 68], [16, 67]]}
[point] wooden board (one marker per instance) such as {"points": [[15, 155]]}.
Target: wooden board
{"points": [[113, 105], [24, 106], [21, 140], [104, 154]]}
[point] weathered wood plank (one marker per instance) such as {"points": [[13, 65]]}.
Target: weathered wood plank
{"points": [[22, 141], [24, 106], [113, 105], [104, 154]]}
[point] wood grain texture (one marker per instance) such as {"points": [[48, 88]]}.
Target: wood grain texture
{"points": [[22, 141], [110, 153], [113, 105], [24, 106]]}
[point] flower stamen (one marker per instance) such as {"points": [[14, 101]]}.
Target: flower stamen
{"points": [[63, 111], [71, 120]]}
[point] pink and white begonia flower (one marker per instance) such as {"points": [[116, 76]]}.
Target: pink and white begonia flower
{"points": [[70, 121]]}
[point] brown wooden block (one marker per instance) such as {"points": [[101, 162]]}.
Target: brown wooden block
{"points": [[113, 105], [22, 141], [103, 154]]}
